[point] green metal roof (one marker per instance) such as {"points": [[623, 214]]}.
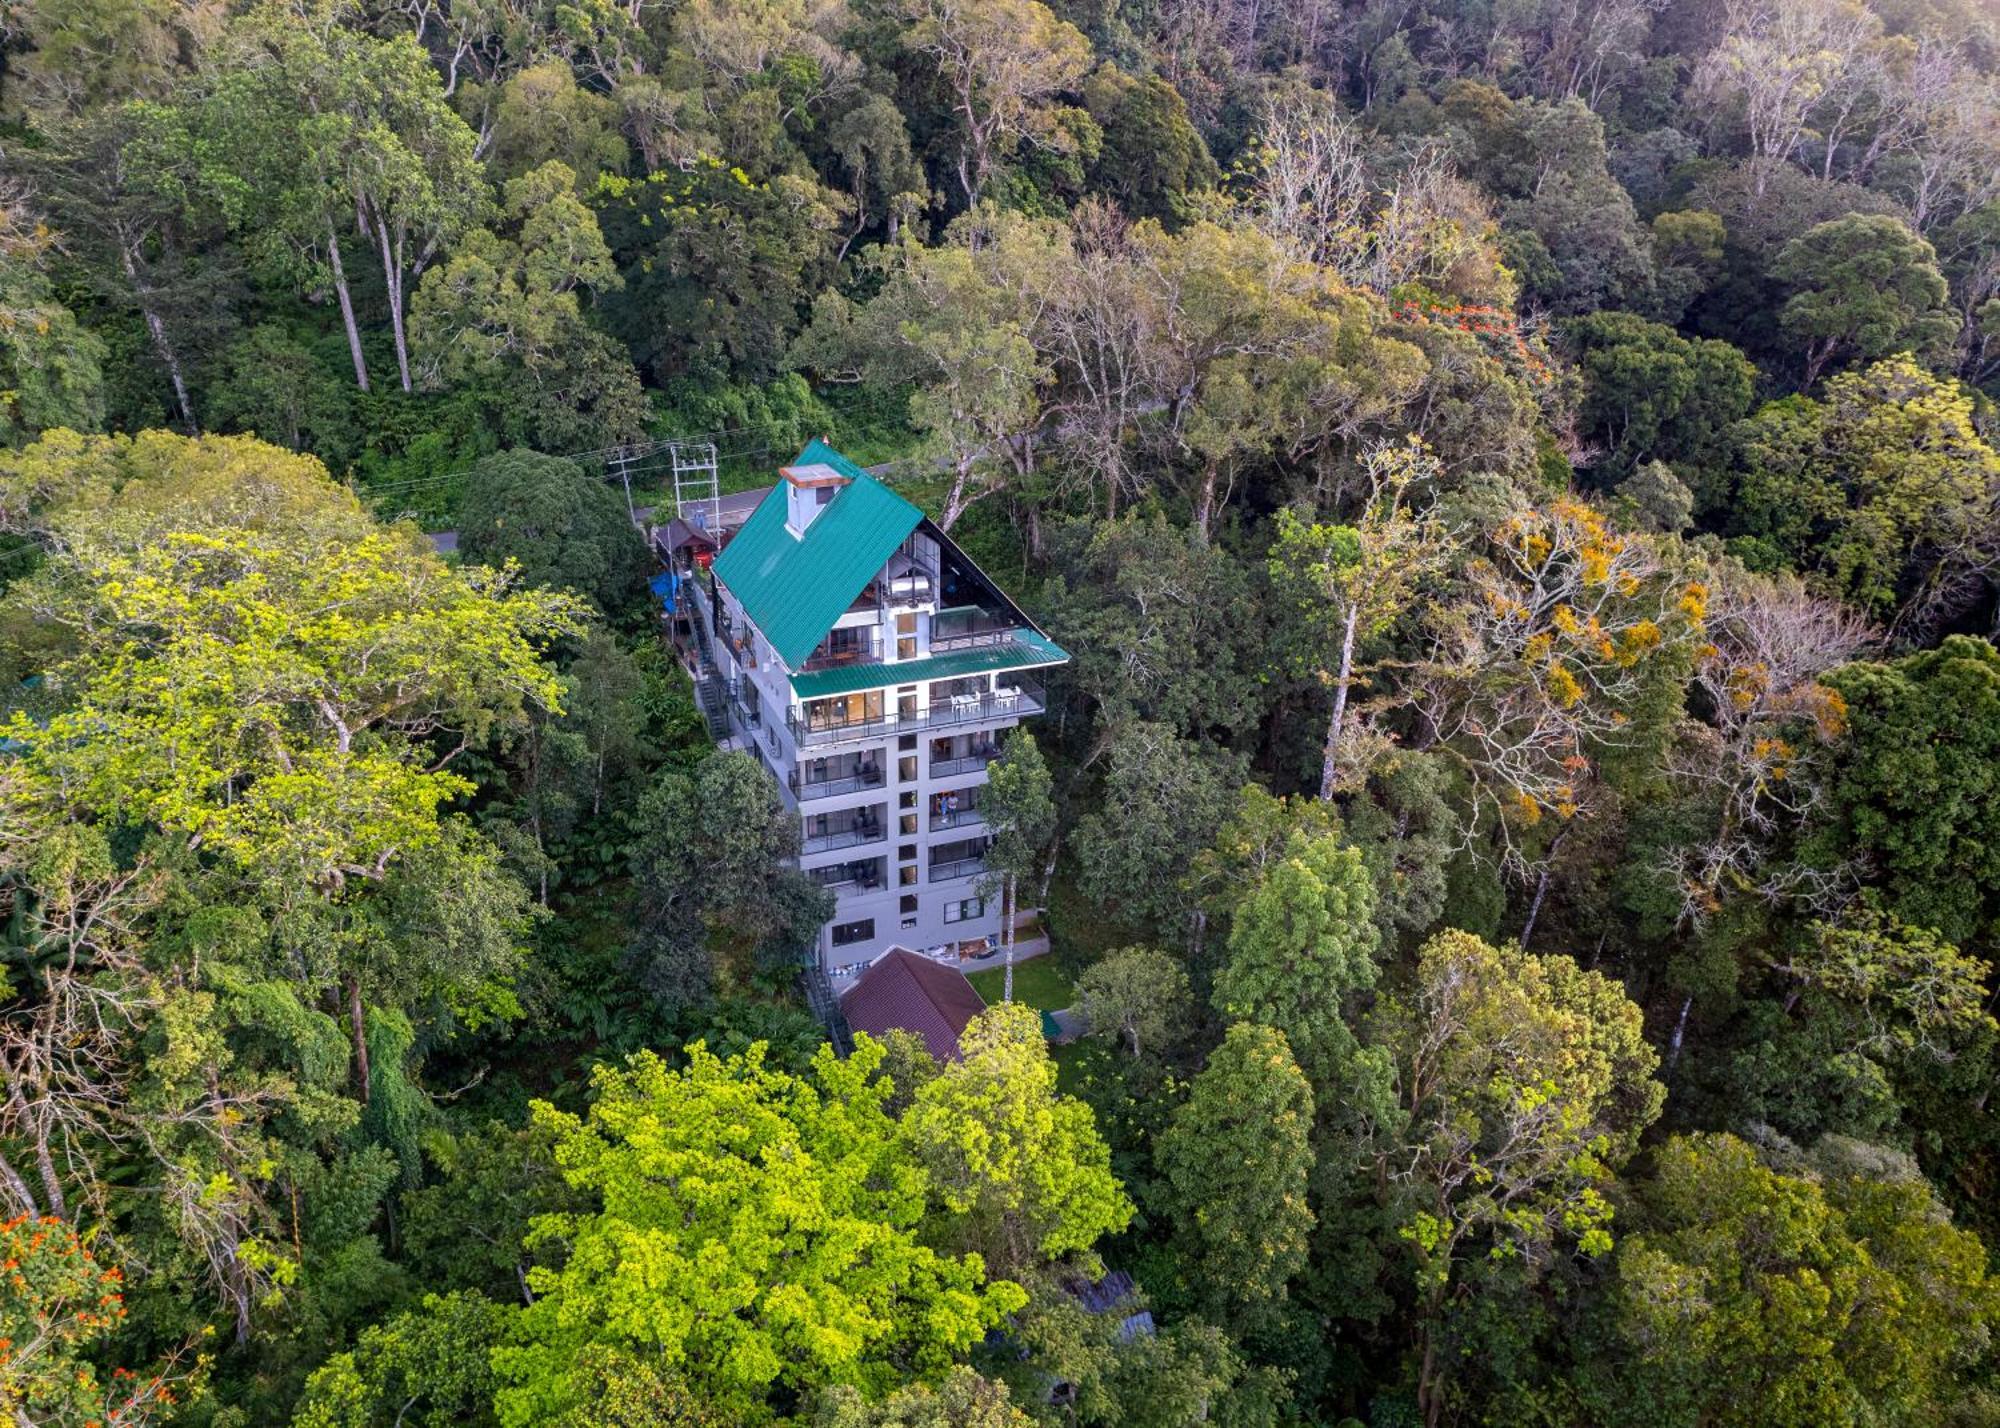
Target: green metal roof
{"points": [[1025, 650], [795, 587]]}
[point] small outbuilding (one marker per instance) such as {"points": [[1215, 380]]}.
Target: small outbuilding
{"points": [[903, 991]]}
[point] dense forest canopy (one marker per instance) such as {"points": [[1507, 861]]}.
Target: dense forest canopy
{"points": [[1519, 832]]}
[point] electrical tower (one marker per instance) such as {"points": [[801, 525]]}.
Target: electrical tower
{"points": [[697, 486]]}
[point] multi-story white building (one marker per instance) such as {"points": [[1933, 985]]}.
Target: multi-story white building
{"points": [[848, 642]]}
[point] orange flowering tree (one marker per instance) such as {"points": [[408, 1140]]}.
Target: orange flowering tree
{"points": [[56, 1302], [1548, 650]]}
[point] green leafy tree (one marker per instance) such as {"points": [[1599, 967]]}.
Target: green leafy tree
{"points": [[1881, 492], [505, 315], [719, 268], [1911, 795], [713, 853], [425, 1366], [1864, 287], [1164, 797], [1236, 1160], [963, 1400], [51, 368], [1302, 947], [275, 387], [1151, 159], [1133, 597], [1018, 1173], [955, 324], [1140, 997], [332, 129], [752, 1229], [1775, 1288], [1524, 1083], [1019, 808], [1652, 395], [224, 563], [1004, 64], [563, 529]]}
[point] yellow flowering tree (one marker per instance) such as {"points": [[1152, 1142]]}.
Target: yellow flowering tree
{"points": [[1547, 651]]}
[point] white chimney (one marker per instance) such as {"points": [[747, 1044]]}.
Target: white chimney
{"points": [[808, 491]]}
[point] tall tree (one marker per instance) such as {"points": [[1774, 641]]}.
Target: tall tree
{"points": [[1864, 286], [752, 1229], [1236, 1160], [1790, 1289], [1018, 1171], [1348, 583], [1005, 63], [1018, 806], [1526, 1082], [334, 129], [1301, 949]]}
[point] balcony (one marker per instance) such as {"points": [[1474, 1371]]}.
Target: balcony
{"points": [[808, 790], [1018, 702], [957, 868], [843, 648], [970, 763], [844, 876], [968, 627], [855, 837], [957, 818]]}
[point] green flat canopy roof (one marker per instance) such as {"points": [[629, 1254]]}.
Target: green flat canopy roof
{"points": [[1025, 649], [796, 586]]}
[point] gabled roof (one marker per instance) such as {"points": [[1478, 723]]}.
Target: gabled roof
{"points": [[795, 586], [902, 990]]}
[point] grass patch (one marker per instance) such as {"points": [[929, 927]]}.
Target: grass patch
{"points": [[1038, 983]]}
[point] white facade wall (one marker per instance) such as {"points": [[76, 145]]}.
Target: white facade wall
{"points": [[907, 907]]}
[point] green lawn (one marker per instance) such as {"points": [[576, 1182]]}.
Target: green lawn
{"points": [[1038, 983]]}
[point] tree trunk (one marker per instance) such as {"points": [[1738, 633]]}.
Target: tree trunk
{"points": [[1006, 939], [22, 1198], [346, 310], [1680, 1033], [358, 1030], [156, 329], [392, 277], [956, 500], [1535, 908], [1329, 774], [1204, 506], [1428, 1402]]}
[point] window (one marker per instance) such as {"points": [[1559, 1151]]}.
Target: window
{"points": [[906, 800], [966, 911], [906, 624], [823, 494], [846, 934], [907, 744], [906, 876], [906, 769], [908, 923], [909, 902], [908, 824], [907, 852]]}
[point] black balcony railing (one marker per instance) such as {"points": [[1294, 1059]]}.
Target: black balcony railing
{"points": [[810, 789], [1017, 702], [970, 763], [866, 874], [957, 868], [955, 818], [855, 837]]}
